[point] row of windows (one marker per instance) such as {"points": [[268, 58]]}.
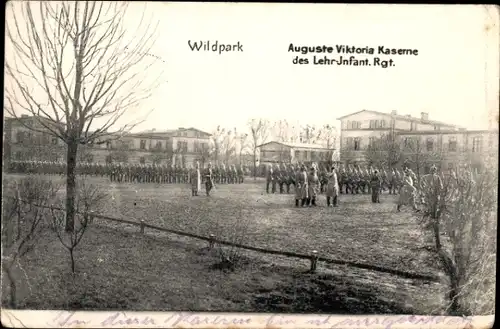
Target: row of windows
{"points": [[301, 155], [374, 124], [452, 144], [355, 143], [197, 134], [181, 145], [29, 137]]}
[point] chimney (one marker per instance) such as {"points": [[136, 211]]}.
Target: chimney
{"points": [[394, 112], [424, 116]]}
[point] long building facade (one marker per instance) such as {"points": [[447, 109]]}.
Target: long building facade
{"points": [[283, 152], [420, 141], [180, 146]]}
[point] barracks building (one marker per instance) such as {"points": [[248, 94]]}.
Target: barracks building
{"points": [[176, 146], [449, 145]]}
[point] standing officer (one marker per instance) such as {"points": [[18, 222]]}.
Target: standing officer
{"points": [[301, 188], [376, 186], [209, 183], [269, 178]]}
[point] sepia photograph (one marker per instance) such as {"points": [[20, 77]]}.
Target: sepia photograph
{"points": [[248, 165]]}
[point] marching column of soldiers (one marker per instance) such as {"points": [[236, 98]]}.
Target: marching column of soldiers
{"points": [[125, 172]]}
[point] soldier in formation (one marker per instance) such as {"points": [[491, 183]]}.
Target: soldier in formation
{"points": [[301, 187], [332, 188], [128, 172]]}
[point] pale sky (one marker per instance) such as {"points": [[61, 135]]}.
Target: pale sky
{"points": [[454, 77]]}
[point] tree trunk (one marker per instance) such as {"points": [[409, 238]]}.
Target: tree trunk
{"points": [[71, 185], [254, 164], [455, 304], [13, 287], [437, 236], [72, 260]]}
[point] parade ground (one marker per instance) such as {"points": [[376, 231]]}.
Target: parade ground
{"points": [[119, 268]]}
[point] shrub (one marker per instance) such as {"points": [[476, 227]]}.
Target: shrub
{"points": [[464, 209], [24, 209], [89, 200]]}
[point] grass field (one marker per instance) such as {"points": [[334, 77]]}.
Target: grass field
{"points": [[117, 268]]}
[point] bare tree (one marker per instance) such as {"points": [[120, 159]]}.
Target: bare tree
{"points": [[244, 145], [385, 151], [464, 208], [73, 68], [419, 155], [327, 136], [229, 145], [281, 131], [90, 199], [217, 141], [259, 132], [22, 221], [308, 134], [203, 154]]}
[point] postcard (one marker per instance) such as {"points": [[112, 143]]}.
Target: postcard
{"points": [[249, 165]]}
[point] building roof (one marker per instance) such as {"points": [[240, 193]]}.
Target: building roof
{"points": [[402, 117], [298, 145], [171, 131]]}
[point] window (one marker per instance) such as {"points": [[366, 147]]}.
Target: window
{"points": [[452, 144], [412, 126], [357, 144], [45, 139], [406, 142], [108, 159], [18, 155], [196, 146], [430, 144], [371, 124], [382, 123], [108, 144], [476, 144], [297, 154], [450, 166], [179, 146], [142, 145], [142, 160], [348, 125], [20, 136], [371, 142], [158, 145], [375, 124], [349, 142], [54, 141]]}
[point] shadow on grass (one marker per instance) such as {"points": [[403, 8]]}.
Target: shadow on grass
{"points": [[328, 294]]}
